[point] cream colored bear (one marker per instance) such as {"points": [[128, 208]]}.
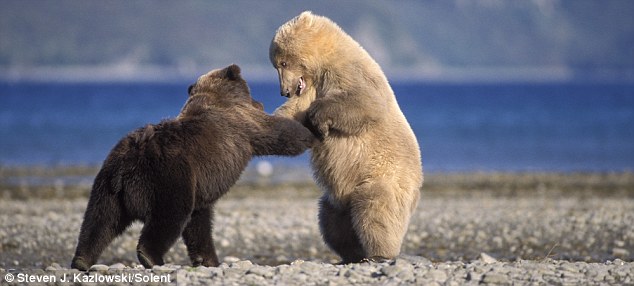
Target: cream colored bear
{"points": [[368, 162]]}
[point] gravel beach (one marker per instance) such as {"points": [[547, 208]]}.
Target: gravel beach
{"points": [[468, 229]]}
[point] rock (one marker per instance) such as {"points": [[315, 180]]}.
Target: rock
{"points": [[620, 252], [487, 258], [211, 271], [437, 275], [401, 272], [473, 276], [283, 269], [252, 279], [618, 262], [234, 272], [353, 276], [413, 260], [244, 264], [117, 266], [53, 267], [230, 259], [391, 271], [495, 278], [297, 262], [99, 267], [566, 266], [310, 267], [264, 271], [162, 268]]}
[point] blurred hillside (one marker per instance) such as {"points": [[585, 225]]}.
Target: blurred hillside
{"points": [[488, 39]]}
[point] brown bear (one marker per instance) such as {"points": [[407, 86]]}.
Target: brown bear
{"points": [[368, 161], [169, 175]]}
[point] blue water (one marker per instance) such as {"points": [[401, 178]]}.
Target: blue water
{"points": [[460, 127]]}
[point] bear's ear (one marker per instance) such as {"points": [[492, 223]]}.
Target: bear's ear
{"points": [[190, 88], [233, 72]]}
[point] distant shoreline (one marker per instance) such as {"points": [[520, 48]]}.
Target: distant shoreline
{"points": [[63, 182], [133, 73]]}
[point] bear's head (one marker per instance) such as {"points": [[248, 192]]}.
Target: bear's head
{"points": [[220, 88], [303, 49]]}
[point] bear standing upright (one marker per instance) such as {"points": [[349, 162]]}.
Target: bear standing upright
{"points": [[368, 161], [169, 175]]}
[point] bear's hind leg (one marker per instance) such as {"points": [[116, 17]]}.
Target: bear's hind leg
{"points": [[198, 239], [104, 220], [338, 233], [379, 220], [159, 234]]}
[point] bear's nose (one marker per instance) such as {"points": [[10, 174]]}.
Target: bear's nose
{"points": [[285, 93]]}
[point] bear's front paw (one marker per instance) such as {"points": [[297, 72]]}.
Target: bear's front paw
{"points": [[314, 141], [318, 124], [315, 130], [324, 128]]}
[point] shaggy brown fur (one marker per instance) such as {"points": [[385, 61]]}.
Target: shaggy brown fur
{"points": [[368, 161], [169, 175]]}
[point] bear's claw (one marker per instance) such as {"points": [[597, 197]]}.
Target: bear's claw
{"points": [[80, 264]]}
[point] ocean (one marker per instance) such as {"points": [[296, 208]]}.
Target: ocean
{"points": [[461, 127]]}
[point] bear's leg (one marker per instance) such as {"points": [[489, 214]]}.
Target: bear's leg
{"points": [[160, 231], [198, 238], [336, 228], [104, 220], [379, 219]]}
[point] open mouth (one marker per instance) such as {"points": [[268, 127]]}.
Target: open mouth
{"points": [[301, 85]]}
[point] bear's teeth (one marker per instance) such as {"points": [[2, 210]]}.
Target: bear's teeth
{"points": [[301, 85]]}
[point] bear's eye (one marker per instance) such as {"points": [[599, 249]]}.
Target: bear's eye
{"points": [[283, 64]]}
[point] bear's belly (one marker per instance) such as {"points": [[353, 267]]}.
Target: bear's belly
{"points": [[341, 164]]}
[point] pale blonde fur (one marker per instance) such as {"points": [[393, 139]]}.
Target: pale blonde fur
{"points": [[368, 162]]}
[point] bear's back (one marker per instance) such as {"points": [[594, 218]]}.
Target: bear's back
{"points": [[204, 141]]}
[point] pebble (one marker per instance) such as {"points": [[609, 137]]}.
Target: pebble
{"points": [[620, 252], [230, 259], [224, 243], [212, 271], [162, 268], [437, 275], [495, 278], [391, 271], [487, 258], [117, 266], [310, 267], [414, 260], [246, 264], [276, 241], [264, 271], [252, 279], [53, 267], [99, 267]]}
